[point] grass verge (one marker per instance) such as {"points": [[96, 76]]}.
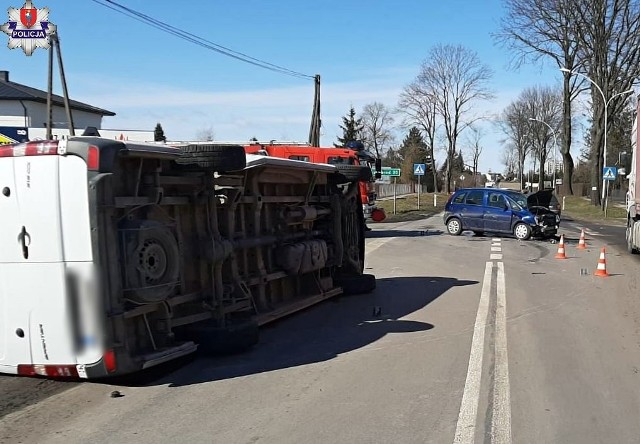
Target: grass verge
{"points": [[581, 208], [407, 207]]}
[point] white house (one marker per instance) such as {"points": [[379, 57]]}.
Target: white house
{"points": [[23, 115]]}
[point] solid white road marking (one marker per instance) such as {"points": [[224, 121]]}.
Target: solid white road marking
{"points": [[496, 248], [466, 426], [495, 256], [501, 418]]}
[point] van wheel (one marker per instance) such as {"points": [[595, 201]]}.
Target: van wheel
{"points": [[454, 226], [353, 173], [522, 231], [151, 259], [222, 158], [629, 235], [353, 237]]}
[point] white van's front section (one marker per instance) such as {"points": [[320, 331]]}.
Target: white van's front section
{"points": [[49, 304]]}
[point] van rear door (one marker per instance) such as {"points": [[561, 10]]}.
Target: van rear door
{"points": [[44, 208]]}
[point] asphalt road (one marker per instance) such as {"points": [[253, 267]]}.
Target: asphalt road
{"points": [[478, 338]]}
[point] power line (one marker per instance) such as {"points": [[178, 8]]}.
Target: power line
{"points": [[165, 27]]}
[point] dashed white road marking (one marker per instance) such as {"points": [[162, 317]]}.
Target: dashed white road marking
{"points": [[466, 426], [496, 248], [501, 418], [495, 256]]}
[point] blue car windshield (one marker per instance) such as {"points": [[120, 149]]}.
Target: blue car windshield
{"points": [[519, 199]]}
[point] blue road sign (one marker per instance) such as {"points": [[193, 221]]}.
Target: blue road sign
{"points": [[419, 169], [609, 173]]}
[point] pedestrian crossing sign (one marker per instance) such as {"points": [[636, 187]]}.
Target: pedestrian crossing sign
{"points": [[609, 173], [418, 169]]}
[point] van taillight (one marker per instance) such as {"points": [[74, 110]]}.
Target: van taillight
{"points": [[49, 147], [93, 158], [53, 371], [109, 360]]}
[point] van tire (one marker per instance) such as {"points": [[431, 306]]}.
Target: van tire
{"points": [[629, 237], [353, 233], [222, 158], [353, 173], [153, 261]]}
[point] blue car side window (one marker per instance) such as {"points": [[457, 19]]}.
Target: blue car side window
{"points": [[497, 200], [459, 198], [475, 198]]}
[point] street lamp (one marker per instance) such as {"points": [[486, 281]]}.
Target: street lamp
{"points": [[606, 105], [555, 147]]}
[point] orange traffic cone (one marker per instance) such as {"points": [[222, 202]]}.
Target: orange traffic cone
{"points": [[560, 253], [602, 265], [582, 245]]}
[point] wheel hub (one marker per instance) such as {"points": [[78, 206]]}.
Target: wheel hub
{"points": [[152, 261]]}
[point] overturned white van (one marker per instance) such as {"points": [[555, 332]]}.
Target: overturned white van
{"points": [[117, 256]]}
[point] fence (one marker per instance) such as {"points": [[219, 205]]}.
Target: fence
{"points": [[386, 189]]}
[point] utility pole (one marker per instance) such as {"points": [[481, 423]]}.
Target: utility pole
{"points": [[314, 130], [49, 135], [56, 45]]}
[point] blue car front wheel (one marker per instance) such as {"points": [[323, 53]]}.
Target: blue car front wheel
{"points": [[522, 231]]}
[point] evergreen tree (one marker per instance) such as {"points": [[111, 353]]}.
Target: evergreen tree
{"points": [[457, 166], [392, 158], [351, 128], [413, 150], [158, 134]]}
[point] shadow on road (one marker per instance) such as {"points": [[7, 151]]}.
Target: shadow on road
{"points": [[403, 233], [319, 334]]}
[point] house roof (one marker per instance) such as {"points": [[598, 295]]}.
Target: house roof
{"points": [[15, 91]]}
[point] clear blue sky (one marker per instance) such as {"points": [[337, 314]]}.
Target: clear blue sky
{"points": [[365, 51]]}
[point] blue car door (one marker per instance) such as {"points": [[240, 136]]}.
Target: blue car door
{"points": [[472, 210], [497, 214]]}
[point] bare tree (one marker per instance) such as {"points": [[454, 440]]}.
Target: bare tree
{"points": [[474, 148], [515, 124], [418, 107], [455, 79], [377, 122], [545, 105], [205, 134], [546, 29], [510, 158], [609, 35]]}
